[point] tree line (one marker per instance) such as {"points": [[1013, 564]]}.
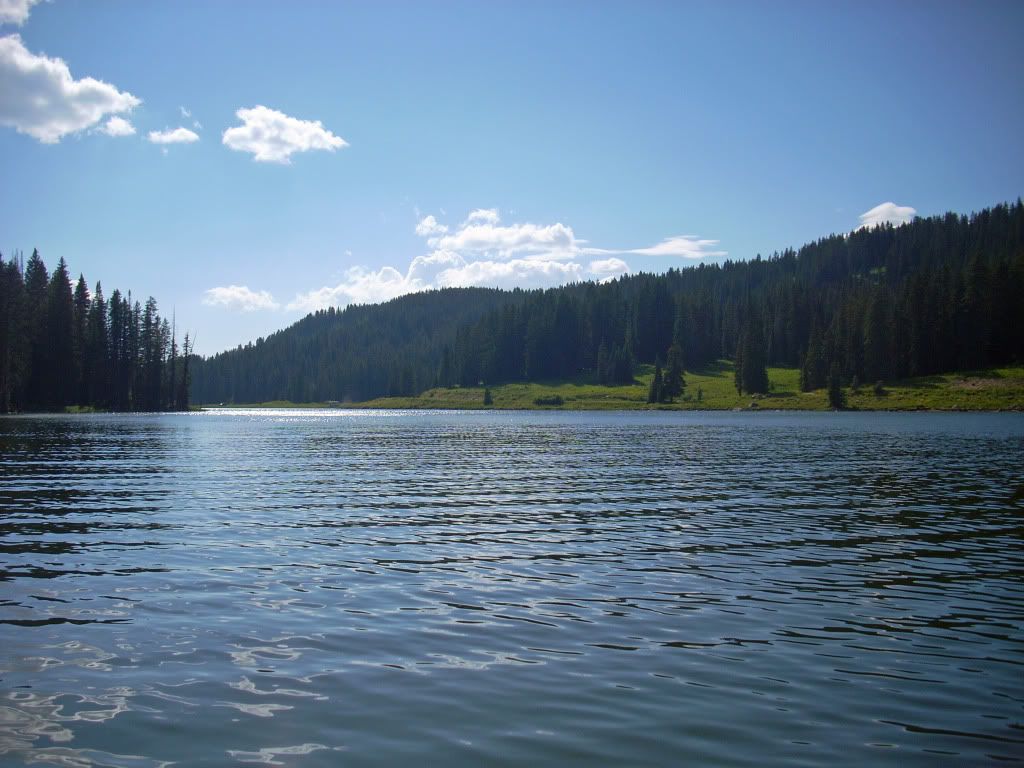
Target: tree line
{"points": [[935, 295], [64, 347]]}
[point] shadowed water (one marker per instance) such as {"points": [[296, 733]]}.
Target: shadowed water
{"points": [[375, 588]]}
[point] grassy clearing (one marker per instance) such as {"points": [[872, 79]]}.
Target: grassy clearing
{"points": [[989, 390], [81, 409]]}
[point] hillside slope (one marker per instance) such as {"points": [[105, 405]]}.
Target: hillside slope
{"points": [[936, 295]]}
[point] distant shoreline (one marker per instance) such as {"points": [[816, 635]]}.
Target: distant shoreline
{"points": [[993, 390]]}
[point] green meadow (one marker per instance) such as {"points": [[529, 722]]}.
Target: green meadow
{"points": [[994, 389]]}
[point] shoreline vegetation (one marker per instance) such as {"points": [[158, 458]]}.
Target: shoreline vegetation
{"points": [[711, 389]]}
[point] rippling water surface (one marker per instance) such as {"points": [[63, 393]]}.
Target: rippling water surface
{"points": [[371, 588]]}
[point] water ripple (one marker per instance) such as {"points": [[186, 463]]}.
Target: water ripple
{"points": [[507, 589]]}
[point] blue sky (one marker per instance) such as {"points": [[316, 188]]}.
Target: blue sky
{"points": [[351, 152]]}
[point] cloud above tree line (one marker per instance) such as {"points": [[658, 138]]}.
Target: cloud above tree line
{"points": [[481, 251], [887, 213]]}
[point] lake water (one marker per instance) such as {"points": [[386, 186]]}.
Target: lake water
{"points": [[376, 588]]}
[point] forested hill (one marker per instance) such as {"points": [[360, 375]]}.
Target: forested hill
{"points": [[357, 353], [937, 294]]}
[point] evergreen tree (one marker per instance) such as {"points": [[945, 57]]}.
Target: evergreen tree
{"points": [[836, 396], [79, 340], [60, 335], [878, 337], [813, 370], [14, 350], [655, 392], [97, 354], [39, 359], [674, 381], [751, 369]]}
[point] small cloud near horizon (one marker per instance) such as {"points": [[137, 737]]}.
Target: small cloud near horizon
{"points": [[239, 298], [887, 213]]}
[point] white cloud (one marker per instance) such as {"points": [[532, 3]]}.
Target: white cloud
{"points": [[360, 286], [184, 112], [483, 216], [117, 126], [484, 252], [178, 135], [15, 11], [611, 267], [517, 273], [438, 270], [550, 241], [273, 137], [41, 99], [424, 271], [239, 297], [428, 227], [887, 213]]}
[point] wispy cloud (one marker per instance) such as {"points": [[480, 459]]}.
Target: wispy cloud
{"points": [[41, 99], [239, 298], [682, 246], [490, 237], [887, 213], [273, 137]]}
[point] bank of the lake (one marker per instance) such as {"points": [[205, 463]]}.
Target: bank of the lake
{"points": [[713, 389]]}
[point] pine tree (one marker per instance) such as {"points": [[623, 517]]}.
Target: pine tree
{"points": [[751, 374], [60, 331], [97, 352], [655, 392], [836, 396], [39, 365], [81, 323], [674, 381], [812, 372], [14, 350]]}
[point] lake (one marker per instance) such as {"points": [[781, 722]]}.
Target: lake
{"points": [[316, 588]]}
